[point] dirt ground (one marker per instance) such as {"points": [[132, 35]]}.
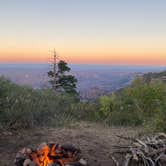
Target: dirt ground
{"points": [[95, 141]]}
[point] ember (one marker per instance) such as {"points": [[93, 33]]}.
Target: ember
{"points": [[50, 155]]}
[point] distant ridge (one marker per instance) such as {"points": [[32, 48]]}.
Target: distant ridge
{"points": [[93, 80], [152, 76]]}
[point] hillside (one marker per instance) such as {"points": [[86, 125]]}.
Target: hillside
{"points": [[157, 76]]}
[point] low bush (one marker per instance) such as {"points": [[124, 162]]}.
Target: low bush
{"points": [[24, 107], [141, 103]]}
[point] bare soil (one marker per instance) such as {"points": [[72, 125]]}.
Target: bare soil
{"points": [[95, 141]]}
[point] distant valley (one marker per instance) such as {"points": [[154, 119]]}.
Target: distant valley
{"points": [[93, 80]]}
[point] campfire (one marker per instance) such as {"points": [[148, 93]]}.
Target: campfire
{"points": [[50, 154]]}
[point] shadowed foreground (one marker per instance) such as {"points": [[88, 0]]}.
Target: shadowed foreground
{"points": [[95, 141]]}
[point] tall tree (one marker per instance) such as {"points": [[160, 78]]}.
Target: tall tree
{"points": [[60, 78]]}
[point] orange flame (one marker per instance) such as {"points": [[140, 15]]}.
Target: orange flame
{"points": [[46, 155]]}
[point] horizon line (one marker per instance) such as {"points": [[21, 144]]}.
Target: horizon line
{"points": [[92, 64]]}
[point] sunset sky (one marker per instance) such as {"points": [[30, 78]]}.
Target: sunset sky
{"points": [[83, 31]]}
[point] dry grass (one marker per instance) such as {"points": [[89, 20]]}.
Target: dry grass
{"points": [[94, 140]]}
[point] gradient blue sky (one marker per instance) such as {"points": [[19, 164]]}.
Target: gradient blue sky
{"points": [[84, 31]]}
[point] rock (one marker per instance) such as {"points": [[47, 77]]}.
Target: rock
{"points": [[28, 162], [28, 151], [83, 162], [41, 146]]}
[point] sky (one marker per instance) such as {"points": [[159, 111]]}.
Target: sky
{"points": [[83, 31]]}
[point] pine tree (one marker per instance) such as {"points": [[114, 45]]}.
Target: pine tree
{"points": [[60, 78]]}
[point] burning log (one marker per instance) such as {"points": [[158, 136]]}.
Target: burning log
{"points": [[50, 155], [150, 151]]}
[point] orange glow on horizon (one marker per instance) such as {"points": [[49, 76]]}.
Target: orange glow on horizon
{"points": [[105, 58]]}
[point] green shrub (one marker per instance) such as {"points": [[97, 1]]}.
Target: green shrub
{"points": [[124, 118], [138, 104], [24, 107], [158, 121], [84, 111], [148, 97], [106, 105]]}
